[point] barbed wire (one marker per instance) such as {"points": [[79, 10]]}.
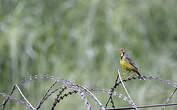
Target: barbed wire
{"points": [[145, 106], [84, 92]]}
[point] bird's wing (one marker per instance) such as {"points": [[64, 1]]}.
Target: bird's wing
{"points": [[131, 62]]}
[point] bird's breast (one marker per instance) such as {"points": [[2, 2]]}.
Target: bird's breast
{"points": [[125, 64]]}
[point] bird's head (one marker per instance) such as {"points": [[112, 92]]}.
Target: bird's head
{"points": [[122, 51]]}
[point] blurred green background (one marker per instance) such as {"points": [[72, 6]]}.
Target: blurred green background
{"points": [[78, 40]]}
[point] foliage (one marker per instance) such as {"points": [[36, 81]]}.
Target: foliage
{"points": [[78, 40]]}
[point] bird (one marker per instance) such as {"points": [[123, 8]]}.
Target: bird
{"points": [[127, 63]]}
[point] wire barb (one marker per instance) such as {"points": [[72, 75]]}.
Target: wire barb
{"points": [[57, 100]]}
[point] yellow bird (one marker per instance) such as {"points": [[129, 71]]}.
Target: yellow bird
{"points": [[127, 63]]}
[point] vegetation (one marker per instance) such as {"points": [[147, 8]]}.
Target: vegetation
{"points": [[78, 40]]}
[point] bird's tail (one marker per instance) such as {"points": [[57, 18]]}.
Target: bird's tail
{"points": [[141, 77]]}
